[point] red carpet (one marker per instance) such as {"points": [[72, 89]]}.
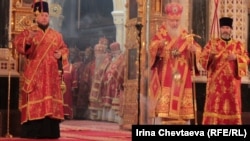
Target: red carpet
{"points": [[61, 139], [94, 131], [84, 130]]}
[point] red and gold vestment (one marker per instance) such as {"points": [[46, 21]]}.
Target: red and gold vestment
{"points": [[41, 78], [223, 92], [71, 81], [170, 93]]}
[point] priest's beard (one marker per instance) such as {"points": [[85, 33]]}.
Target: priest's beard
{"points": [[99, 58], [173, 32], [225, 35], [43, 27]]}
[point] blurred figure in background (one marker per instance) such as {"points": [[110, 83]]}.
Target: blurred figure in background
{"points": [[85, 74], [70, 79], [113, 84], [102, 60]]}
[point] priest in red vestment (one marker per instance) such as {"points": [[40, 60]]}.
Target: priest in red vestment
{"points": [[173, 54], [112, 84], [70, 79], [102, 61], [41, 96], [225, 60], [85, 76]]}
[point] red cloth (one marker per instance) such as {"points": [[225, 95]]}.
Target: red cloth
{"points": [[171, 98], [223, 95], [113, 81], [71, 81], [85, 73], [41, 92], [97, 83]]}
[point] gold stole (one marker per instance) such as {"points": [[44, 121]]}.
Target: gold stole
{"points": [[177, 86]]}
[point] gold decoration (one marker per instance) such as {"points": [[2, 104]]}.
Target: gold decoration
{"points": [[63, 87], [55, 9], [23, 21], [37, 12], [177, 76], [34, 27], [175, 52]]}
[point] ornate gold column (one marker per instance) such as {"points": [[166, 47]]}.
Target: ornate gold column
{"points": [[130, 112]]}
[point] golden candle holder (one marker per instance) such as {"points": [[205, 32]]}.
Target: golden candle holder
{"points": [[8, 135]]}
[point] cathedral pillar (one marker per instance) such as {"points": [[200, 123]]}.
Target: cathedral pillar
{"points": [[118, 17]]}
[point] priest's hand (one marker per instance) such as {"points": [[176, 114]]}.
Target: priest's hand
{"points": [[30, 37], [192, 48], [231, 56], [57, 54]]}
